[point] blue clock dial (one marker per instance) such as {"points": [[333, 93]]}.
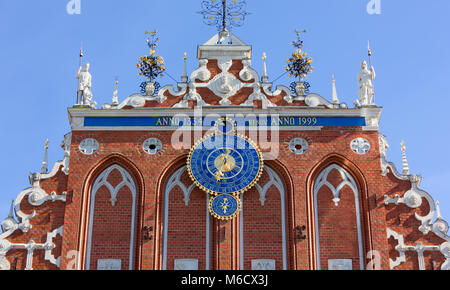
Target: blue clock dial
{"points": [[221, 164], [224, 206]]}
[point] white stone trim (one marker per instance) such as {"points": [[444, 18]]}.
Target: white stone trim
{"points": [[401, 248], [340, 264], [109, 264], [48, 251], [360, 146], [186, 264], [36, 197], [88, 146], [65, 145], [320, 181], [101, 180], [263, 265], [31, 246]]}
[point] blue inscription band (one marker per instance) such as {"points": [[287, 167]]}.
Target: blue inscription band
{"points": [[269, 121]]}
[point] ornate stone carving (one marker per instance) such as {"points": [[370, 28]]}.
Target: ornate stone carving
{"points": [[202, 73], [31, 246], [152, 146], [384, 146], [150, 89], [225, 84], [445, 250], [274, 180], [65, 145], [360, 146], [102, 180], [258, 96], [49, 246], [298, 145], [365, 84], [347, 179], [109, 264], [4, 264], [401, 248], [36, 197], [186, 264], [89, 146], [263, 265], [5, 246], [300, 88], [8, 224], [411, 199], [340, 264], [175, 180], [84, 87]]}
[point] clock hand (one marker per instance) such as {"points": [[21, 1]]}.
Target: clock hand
{"points": [[219, 174]]}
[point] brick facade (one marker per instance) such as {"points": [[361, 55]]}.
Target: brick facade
{"points": [[269, 229]]}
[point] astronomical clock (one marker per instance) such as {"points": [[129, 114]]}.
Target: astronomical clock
{"points": [[225, 164]]}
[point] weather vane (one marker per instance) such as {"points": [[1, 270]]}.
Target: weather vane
{"points": [[224, 14], [299, 43]]}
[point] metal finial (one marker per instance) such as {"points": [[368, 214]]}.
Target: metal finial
{"points": [[224, 14], [299, 43], [44, 168], [334, 94], [115, 98], [264, 78], [439, 216], [184, 77], [11, 209], [405, 161], [153, 41]]}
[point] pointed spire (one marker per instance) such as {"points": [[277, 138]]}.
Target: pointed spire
{"points": [[11, 210], [405, 162], [439, 216], [264, 78], [115, 98], [334, 95], [44, 168], [184, 77]]}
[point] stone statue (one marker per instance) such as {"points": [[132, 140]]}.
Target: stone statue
{"points": [[84, 93], [365, 84]]}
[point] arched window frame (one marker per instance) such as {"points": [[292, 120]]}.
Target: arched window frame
{"points": [[102, 180], [348, 180]]}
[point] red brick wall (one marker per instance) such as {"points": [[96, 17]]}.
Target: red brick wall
{"points": [[125, 148], [111, 228], [337, 225], [186, 228], [262, 227]]}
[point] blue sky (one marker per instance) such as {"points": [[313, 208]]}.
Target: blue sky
{"points": [[39, 60]]}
